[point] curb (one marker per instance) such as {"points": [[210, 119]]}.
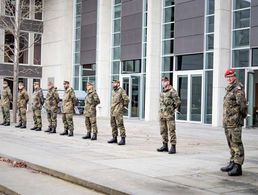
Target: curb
{"points": [[66, 177], [7, 191]]}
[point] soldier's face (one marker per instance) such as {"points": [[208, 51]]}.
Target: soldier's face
{"points": [[20, 86], [36, 86], [66, 85], [231, 79], [165, 84], [89, 87], [49, 86], [115, 85]]}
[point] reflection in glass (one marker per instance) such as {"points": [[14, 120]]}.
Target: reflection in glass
{"points": [[240, 58], [182, 92], [241, 38], [135, 100], [196, 98], [241, 19]]}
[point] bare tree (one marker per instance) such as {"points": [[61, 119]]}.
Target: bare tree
{"points": [[14, 17]]}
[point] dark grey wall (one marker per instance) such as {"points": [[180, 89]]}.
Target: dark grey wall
{"points": [[24, 71], [189, 26], [131, 29], [88, 31], [254, 24]]}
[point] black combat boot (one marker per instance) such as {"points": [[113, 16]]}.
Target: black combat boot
{"points": [[163, 148], [122, 141], [228, 168], [48, 130], [94, 136], [53, 130], [87, 136], [33, 128], [172, 149], [19, 125], [23, 126], [7, 124], [236, 171], [113, 140], [64, 133], [70, 134], [3, 123], [38, 129]]}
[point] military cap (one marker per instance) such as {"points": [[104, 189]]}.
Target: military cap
{"points": [[116, 81], [165, 79], [66, 82], [230, 72], [89, 83]]}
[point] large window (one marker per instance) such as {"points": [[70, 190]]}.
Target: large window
{"points": [[240, 33], [190, 62], [37, 49]]}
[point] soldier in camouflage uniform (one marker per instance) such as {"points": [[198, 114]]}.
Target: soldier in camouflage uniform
{"points": [[69, 101], [169, 102], [51, 106], [91, 101], [234, 113], [22, 102], [37, 102], [6, 98], [119, 102]]}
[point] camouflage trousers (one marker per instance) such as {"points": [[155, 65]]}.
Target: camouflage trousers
{"points": [[168, 127], [37, 118], [91, 124], [234, 139], [22, 116], [6, 114], [68, 121], [52, 119], [117, 122]]}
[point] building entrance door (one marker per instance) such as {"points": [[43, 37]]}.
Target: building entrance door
{"points": [[132, 86], [190, 90]]}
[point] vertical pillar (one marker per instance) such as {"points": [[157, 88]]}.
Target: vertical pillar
{"points": [[103, 57], [222, 57], [153, 60]]}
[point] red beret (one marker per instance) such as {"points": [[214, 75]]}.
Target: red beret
{"points": [[230, 72]]}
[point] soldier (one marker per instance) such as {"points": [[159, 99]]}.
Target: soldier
{"points": [[91, 101], [119, 101], [37, 102], [51, 105], [69, 101], [169, 102], [22, 102], [234, 113], [6, 98]]}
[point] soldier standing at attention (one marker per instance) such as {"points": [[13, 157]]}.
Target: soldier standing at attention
{"points": [[51, 105], [69, 101], [119, 101], [6, 98], [169, 102], [22, 102], [37, 102], [234, 113], [91, 101]]}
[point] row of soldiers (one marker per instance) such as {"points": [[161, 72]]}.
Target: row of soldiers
{"points": [[235, 111]]}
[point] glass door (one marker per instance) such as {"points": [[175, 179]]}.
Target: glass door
{"points": [[189, 87], [250, 98], [132, 86]]}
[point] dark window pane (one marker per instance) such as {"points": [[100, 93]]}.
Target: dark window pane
{"points": [[241, 38], [117, 11], [37, 49], [24, 46], [131, 66], [209, 60], [117, 1], [255, 57], [169, 2], [9, 47], [116, 39], [116, 53], [210, 24], [241, 19], [210, 7], [38, 9], [190, 62], [117, 25], [240, 58], [182, 92], [208, 97], [167, 64], [168, 47], [116, 68], [210, 42], [168, 31], [240, 4], [169, 14]]}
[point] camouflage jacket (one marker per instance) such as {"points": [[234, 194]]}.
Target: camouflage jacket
{"points": [[23, 98], [169, 102], [52, 100], [235, 105], [91, 101], [37, 99], [6, 97], [119, 101], [69, 101]]}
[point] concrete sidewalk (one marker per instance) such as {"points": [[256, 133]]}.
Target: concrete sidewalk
{"points": [[137, 168]]}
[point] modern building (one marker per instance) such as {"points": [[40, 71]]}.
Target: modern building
{"points": [[192, 42]]}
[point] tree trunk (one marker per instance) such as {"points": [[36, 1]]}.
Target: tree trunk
{"points": [[16, 58]]}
